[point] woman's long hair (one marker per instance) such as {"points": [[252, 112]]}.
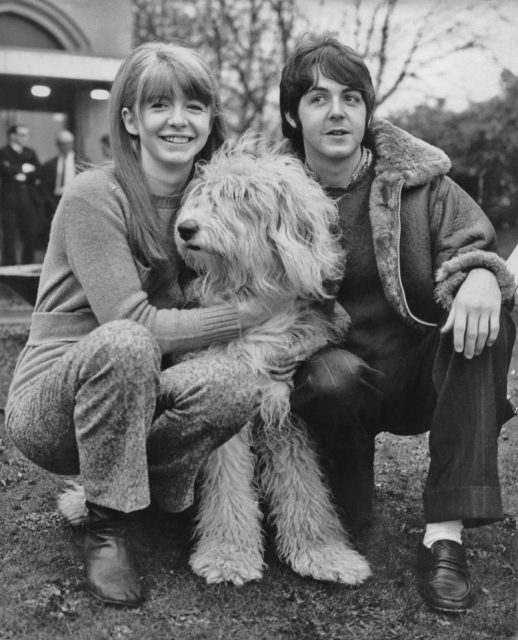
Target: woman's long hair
{"points": [[155, 70]]}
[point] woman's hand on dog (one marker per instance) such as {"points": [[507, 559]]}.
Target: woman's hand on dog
{"points": [[253, 313]]}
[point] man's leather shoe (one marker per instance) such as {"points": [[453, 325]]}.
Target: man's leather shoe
{"points": [[444, 577], [111, 574]]}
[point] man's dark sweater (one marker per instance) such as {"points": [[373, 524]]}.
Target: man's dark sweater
{"points": [[377, 334]]}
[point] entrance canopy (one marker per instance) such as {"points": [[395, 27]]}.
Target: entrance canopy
{"points": [[43, 64]]}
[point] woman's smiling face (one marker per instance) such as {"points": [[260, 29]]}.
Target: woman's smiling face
{"points": [[172, 130]]}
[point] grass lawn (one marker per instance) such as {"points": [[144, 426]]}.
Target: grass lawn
{"points": [[42, 593]]}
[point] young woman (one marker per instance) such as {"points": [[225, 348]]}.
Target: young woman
{"points": [[88, 395]]}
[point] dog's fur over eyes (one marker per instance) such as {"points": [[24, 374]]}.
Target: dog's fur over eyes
{"points": [[254, 225]]}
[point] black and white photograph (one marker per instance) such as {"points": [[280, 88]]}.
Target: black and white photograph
{"points": [[258, 309]]}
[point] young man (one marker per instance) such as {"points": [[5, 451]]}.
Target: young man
{"points": [[429, 345]]}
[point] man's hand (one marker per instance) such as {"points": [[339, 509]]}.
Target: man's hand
{"points": [[283, 367], [475, 314]]}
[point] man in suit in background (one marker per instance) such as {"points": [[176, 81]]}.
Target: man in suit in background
{"points": [[56, 174], [105, 147], [60, 170], [21, 196]]}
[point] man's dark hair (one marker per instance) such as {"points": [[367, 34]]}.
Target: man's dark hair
{"points": [[13, 129], [332, 59]]}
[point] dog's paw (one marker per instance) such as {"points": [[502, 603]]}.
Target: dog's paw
{"points": [[333, 563], [72, 503], [227, 563]]}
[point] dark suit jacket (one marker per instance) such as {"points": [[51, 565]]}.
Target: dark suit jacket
{"points": [[49, 171], [48, 174], [10, 165]]}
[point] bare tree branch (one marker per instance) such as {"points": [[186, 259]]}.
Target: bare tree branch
{"points": [[385, 35], [357, 23], [407, 62], [369, 38]]}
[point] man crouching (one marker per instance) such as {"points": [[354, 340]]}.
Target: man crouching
{"points": [[429, 345]]}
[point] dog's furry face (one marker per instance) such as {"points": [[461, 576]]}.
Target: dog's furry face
{"points": [[253, 222]]}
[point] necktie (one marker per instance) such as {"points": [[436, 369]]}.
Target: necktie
{"points": [[61, 172]]}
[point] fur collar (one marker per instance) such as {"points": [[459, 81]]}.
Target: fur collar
{"points": [[401, 161], [400, 154]]}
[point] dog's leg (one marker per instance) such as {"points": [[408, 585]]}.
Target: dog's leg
{"points": [[310, 537], [229, 544]]}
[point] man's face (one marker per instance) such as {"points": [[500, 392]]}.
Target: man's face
{"points": [[332, 117], [65, 145], [21, 136]]}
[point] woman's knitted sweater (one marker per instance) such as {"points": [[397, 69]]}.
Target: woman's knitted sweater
{"points": [[90, 276]]}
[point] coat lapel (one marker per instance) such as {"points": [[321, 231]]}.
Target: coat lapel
{"points": [[402, 161]]}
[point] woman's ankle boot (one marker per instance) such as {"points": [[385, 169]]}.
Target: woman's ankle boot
{"points": [[111, 573]]}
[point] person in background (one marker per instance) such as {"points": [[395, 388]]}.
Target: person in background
{"points": [[104, 141], [21, 198], [429, 345], [89, 395], [56, 174]]}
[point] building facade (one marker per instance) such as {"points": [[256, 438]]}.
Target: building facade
{"points": [[57, 61]]}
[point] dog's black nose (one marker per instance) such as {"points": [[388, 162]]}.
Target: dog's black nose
{"points": [[187, 229]]}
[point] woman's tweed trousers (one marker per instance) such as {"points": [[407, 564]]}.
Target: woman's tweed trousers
{"points": [[133, 432]]}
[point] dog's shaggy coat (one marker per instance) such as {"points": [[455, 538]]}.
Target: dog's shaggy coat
{"points": [[253, 225]]}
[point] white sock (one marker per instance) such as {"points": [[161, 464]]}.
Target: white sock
{"points": [[449, 530]]}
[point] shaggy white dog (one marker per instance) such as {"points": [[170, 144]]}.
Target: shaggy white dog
{"points": [[254, 225]]}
